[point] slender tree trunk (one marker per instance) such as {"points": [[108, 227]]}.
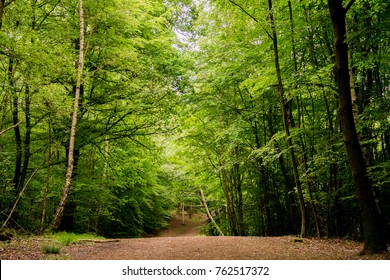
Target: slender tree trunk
{"points": [[227, 189], [238, 189], [18, 142], [286, 122], [288, 186], [263, 184], [208, 212], [105, 174], [15, 118], [182, 212], [80, 66], [229, 202], [373, 231], [268, 224], [9, 128], [18, 198], [302, 154], [106, 154], [27, 136], [48, 175], [2, 6]]}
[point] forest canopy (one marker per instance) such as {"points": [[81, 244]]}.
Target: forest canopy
{"points": [[276, 111]]}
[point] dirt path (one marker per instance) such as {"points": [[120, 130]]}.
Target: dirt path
{"points": [[224, 248], [181, 228], [183, 242]]}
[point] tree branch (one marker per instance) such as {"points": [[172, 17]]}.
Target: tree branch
{"points": [[208, 212], [48, 14], [9, 3], [349, 5], [19, 196], [11, 127], [252, 17]]}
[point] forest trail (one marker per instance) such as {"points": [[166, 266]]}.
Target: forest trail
{"points": [[221, 248], [184, 242], [179, 227]]}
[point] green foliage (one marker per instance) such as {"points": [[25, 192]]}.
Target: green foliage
{"points": [[67, 238], [50, 249], [133, 77], [234, 122]]}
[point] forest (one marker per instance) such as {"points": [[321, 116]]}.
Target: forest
{"points": [[273, 113]]}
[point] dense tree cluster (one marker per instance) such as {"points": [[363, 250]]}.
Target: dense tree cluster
{"points": [[267, 116], [128, 93]]}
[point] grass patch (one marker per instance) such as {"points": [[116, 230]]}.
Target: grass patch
{"points": [[50, 249], [66, 238]]}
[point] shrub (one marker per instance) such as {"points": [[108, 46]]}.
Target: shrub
{"points": [[66, 238], [50, 249]]}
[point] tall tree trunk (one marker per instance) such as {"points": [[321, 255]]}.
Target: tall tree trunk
{"points": [[19, 197], [302, 155], [27, 137], [208, 212], [48, 174], [263, 183], [182, 208], [238, 190], [227, 186], [229, 202], [18, 142], [15, 118], [106, 155], [286, 121], [80, 66], [373, 231], [2, 6], [288, 185]]}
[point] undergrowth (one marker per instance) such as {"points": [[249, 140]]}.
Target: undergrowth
{"points": [[50, 249], [66, 238]]}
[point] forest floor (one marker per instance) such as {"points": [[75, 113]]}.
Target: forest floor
{"points": [[184, 242]]}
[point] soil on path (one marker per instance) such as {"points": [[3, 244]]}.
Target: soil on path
{"points": [[184, 226], [184, 242]]}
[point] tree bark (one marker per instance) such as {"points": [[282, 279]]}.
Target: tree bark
{"points": [[48, 174], [287, 122], [2, 6], [9, 128], [18, 198], [80, 67], [229, 202], [227, 189], [18, 142], [208, 212], [15, 118], [27, 137], [373, 231], [182, 207], [302, 158], [237, 179], [106, 155]]}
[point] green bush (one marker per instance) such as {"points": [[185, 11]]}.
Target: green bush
{"points": [[66, 238], [50, 249]]}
